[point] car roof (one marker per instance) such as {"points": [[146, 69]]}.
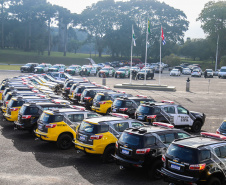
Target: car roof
{"points": [[150, 129], [103, 119], [198, 141]]}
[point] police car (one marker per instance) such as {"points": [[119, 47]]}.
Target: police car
{"points": [[196, 160], [59, 125], [169, 112], [99, 135], [143, 147]]}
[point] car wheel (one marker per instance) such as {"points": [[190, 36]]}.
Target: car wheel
{"points": [[64, 142], [107, 155], [214, 181], [108, 111], [153, 172], [196, 127]]}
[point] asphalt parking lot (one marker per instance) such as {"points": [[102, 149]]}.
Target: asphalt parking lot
{"points": [[25, 160]]}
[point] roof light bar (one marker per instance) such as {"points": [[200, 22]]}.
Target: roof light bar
{"points": [[213, 135], [142, 96], [167, 125], [167, 101], [120, 115], [78, 107]]}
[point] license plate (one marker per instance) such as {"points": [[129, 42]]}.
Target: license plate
{"points": [[175, 166], [125, 152], [40, 127], [114, 110], [140, 117], [82, 138]]}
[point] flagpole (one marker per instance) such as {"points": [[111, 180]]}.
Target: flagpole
{"points": [[131, 57], [160, 57], [146, 53]]}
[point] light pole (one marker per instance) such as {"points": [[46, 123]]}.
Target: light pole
{"points": [[217, 52]]}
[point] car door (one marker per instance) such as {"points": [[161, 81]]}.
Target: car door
{"points": [[127, 73], [110, 72], [170, 114], [182, 116]]}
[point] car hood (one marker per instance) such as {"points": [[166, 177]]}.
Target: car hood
{"points": [[197, 114]]}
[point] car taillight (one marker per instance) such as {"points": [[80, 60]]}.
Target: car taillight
{"points": [[78, 94], [123, 109], [217, 132], [197, 166], [143, 151], [6, 102], [116, 145], [13, 109], [1, 91], [163, 158], [87, 98], [51, 125], [26, 116], [68, 88], [102, 102], [96, 137]]}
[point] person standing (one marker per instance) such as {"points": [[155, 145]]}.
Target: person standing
{"points": [[205, 73]]}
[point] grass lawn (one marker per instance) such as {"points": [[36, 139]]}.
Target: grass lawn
{"points": [[9, 67]]}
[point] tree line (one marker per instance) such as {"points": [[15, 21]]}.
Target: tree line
{"points": [[28, 25]]}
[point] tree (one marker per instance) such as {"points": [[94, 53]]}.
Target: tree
{"points": [[213, 19]]}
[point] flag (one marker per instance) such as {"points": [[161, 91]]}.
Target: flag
{"points": [[163, 38], [149, 28], [133, 37]]}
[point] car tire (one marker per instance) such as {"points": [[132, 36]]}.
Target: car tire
{"points": [[214, 181], [108, 111], [107, 155], [153, 174], [64, 142], [196, 127]]}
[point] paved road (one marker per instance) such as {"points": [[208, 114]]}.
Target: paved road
{"points": [[27, 161]]}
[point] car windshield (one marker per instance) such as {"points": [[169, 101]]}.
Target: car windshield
{"points": [[122, 70], [67, 75], [27, 64], [72, 67], [106, 69], [223, 70], [42, 65], [184, 154], [223, 125], [88, 127], [14, 103], [117, 103], [209, 70], [143, 109], [175, 70], [47, 118], [47, 77], [131, 139], [55, 66], [99, 98]]}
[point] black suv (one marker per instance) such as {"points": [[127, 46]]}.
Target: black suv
{"points": [[149, 74], [196, 160], [29, 67], [76, 95], [169, 112], [30, 112], [128, 105], [144, 146], [88, 95]]}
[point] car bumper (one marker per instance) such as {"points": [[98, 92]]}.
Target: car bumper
{"points": [[93, 149], [172, 177], [9, 117], [126, 162]]}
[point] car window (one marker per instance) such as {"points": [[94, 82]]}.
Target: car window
{"points": [[150, 140], [76, 117], [128, 104], [34, 110], [58, 118], [221, 151], [182, 135], [205, 154], [120, 127], [181, 110], [136, 124], [170, 110], [167, 138], [104, 128], [92, 115]]}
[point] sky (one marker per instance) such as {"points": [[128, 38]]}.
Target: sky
{"points": [[192, 9]]}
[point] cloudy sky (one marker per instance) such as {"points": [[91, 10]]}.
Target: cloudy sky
{"points": [[192, 8]]}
